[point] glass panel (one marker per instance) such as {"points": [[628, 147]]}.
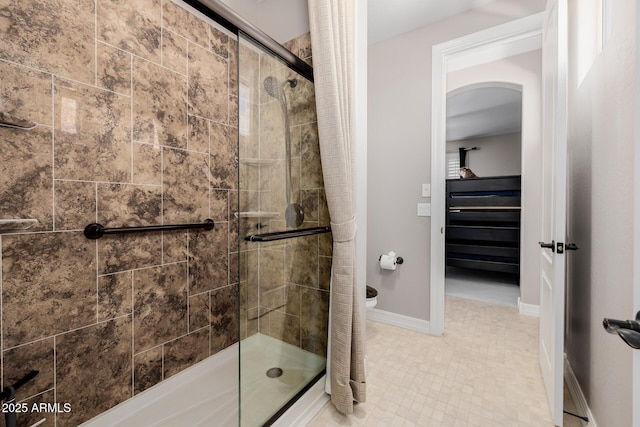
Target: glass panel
{"points": [[284, 285]]}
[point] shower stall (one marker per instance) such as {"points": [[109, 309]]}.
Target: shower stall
{"points": [[186, 141], [285, 244]]}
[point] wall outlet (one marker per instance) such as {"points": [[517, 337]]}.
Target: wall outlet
{"points": [[424, 209], [426, 190]]}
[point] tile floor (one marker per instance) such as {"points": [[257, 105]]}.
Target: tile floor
{"points": [[479, 285], [483, 372]]}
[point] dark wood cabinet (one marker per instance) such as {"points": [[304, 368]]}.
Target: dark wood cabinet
{"points": [[483, 223]]}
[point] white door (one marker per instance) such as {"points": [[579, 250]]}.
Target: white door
{"points": [[554, 83]]}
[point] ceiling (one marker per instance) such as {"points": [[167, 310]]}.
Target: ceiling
{"points": [[387, 18], [482, 112]]}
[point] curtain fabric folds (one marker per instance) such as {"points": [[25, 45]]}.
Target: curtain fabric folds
{"points": [[332, 25]]}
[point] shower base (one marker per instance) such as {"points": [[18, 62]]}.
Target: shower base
{"points": [[206, 394], [261, 395]]}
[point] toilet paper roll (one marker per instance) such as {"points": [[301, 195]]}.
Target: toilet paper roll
{"points": [[388, 262]]}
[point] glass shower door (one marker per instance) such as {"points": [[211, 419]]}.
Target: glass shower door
{"points": [[284, 277]]}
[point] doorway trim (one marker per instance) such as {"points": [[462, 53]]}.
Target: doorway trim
{"points": [[636, 226], [513, 38]]}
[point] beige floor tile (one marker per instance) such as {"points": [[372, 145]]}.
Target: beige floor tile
{"points": [[483, 371]]}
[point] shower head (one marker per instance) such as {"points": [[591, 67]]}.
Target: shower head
{"points": [[294, 213], [274, 88]]}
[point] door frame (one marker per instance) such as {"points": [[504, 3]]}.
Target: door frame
{"points": [[636, 225], [513, 38]]}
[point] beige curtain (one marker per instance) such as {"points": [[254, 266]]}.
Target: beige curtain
{"points": [[332, 25]]}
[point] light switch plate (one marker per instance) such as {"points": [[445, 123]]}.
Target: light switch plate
{"points": [[426, 190], [424, 209]]}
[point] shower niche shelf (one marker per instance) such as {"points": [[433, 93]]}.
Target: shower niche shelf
{"points": [[256, 214], [16, 224], [259, 162]]}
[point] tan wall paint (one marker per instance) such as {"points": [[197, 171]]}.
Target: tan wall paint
{"points": [[498, 155], [399, 158], [600, 213]]}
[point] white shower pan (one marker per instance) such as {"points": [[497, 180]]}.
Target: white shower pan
{"points": [[206, 394]]}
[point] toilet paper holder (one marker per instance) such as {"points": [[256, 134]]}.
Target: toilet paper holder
{"points": [[399, 259]]}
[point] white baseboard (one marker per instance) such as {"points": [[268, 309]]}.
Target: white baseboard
{"points": [[576, 393], [528, 309], [398, 320]]}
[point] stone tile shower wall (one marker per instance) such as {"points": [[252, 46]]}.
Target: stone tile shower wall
{"points": [[284, 284], [136, 103]]}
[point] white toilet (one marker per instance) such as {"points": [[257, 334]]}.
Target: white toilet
{"points": [[372, 297]]}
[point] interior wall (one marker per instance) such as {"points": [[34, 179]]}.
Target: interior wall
{"points": [[636, 215], [399, 151], [524, 70], [600, 210], [498, 155], [136, 126]]}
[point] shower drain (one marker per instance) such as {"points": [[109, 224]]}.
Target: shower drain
{"points": [[274, 372]]}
